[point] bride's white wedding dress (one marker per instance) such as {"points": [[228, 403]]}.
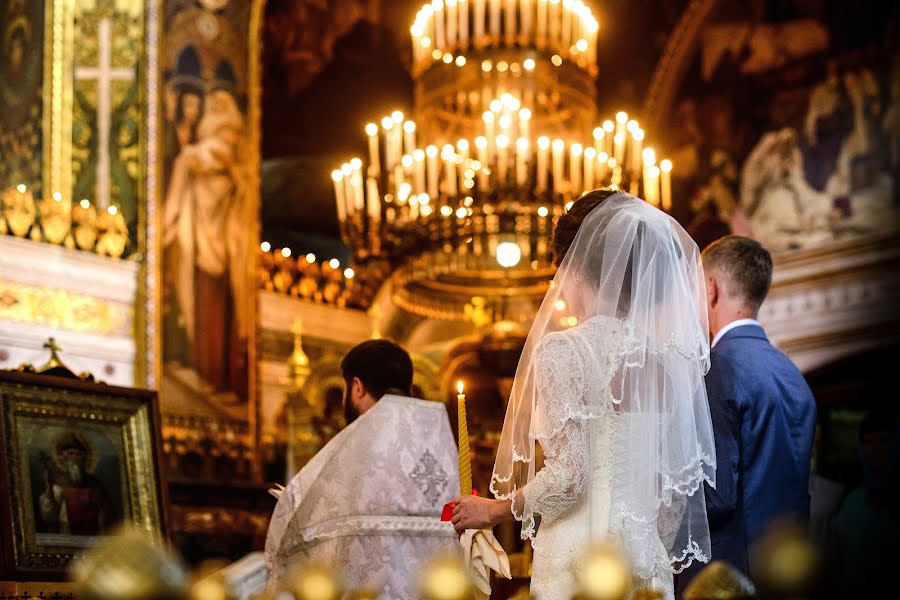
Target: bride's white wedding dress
{"points": [[616, 404], [572, 366]]}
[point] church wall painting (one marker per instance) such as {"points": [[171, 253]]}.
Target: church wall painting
{"points": [[209, 208], [795, 144], [21, 107]]}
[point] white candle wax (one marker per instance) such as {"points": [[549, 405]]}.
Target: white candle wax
{"points": [[419, 166], [409, 133], [543, 144], [665, 168], [575, 168], [521, 160], [449, 169], [541, 29], [338, 178], [566, 34], [373, 199], [510, 22], [357, 182], [502, 158], [527, 18], [525, 123], [495, 20], [432, 155], [478, 22], [637, 143], [590, 157], [463, 23], [452, 22], [374, 162], [555, 21], [558, 148], [440, 40]]}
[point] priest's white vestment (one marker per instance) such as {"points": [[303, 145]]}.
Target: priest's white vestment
{"points": [[369, 503]]}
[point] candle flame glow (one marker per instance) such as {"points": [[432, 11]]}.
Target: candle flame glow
{"points": [[459, 387]]}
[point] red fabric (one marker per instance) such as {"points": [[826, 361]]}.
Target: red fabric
{"points": [[447, 513], [88, 509]]}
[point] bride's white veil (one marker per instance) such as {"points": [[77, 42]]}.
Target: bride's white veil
{"points": [[634, 268]]}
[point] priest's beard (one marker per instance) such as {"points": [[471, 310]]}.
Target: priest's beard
{"points": [[350, 412], [76, 475]]}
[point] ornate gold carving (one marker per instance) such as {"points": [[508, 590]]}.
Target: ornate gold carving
{"points": [[53, 307], [18, 212]]}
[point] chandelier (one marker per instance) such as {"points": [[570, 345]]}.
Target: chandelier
{"points": [[461, 200]]}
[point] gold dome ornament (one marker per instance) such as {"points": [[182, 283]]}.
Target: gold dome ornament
{"points": [[719, 581], [55, 218], [84, 225], [113, 232], [129, 565], [18, 209]]}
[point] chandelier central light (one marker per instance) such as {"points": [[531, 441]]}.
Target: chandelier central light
{"points": [[462, 200]]}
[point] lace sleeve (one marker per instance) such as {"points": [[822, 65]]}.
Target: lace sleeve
{"points": [[561, 383]]}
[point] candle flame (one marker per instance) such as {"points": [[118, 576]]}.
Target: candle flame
{"points": [[459, 387]]}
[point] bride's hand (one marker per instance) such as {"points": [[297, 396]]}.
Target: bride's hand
{"points": [[474, 512]]}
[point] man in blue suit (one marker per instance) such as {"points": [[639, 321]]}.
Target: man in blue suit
{"points": [[763, 412]]}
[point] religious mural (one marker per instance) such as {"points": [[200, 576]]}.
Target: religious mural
{"points": [[21, 76], [107, 110], [209, 205], [781, 134]]}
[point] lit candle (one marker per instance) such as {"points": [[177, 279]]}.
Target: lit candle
{"points": [[619, 138], [521, 160], [598, 139], [495, 19], [502, 158], [541, 29], [374, 162], [652, 190], [432, 154], [510, 22], [440, 41], [524, 123], [602, 167], [636, 150], [465, 456], [566, 25], [590, 155], [357, 182], [449, 155], [555, 21], [387, 124], [608, 128], [575, 169], [558, 147], [463, 24], [452, 21], [462, 147], [542, 162], [338, 178], [347, 181], [665, 166], [419, 160], [527, 18], [409, 134], [478, 22], [373, 199], [481, 145], [399, 178]]}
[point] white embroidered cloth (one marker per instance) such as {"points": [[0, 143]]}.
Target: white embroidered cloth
{"points": [[369, 503]]}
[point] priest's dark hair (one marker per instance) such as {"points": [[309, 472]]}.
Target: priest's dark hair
{"points": [[382, 366]]}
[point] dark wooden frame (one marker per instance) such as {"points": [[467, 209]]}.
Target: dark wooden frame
{"points": [[130, 408]]}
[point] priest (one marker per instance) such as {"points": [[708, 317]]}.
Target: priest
{"points": [[369, 503]]}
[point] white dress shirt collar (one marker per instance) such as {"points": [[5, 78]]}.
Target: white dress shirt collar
{"points": [[733, 325]]}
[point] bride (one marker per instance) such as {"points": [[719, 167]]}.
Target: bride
{"points": [[616, 403]]}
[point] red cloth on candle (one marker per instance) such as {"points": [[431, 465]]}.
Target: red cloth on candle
{"points": [[447, 513]]}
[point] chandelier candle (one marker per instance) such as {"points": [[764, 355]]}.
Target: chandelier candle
{"points": [[465, 456]]}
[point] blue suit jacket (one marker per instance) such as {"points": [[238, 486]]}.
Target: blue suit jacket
{"points": [[763, 416]]}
